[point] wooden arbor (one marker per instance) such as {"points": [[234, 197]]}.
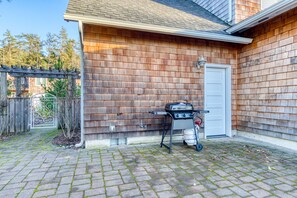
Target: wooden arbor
{"points": [[32, 72], [21, 72]]}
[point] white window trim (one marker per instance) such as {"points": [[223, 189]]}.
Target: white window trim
{"points": [[228, 96]]}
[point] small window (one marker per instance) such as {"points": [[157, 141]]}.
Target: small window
{"points": [[267, 3], [40, 81]]}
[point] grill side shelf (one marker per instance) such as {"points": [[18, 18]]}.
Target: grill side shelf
{"points": [[158, 112]]}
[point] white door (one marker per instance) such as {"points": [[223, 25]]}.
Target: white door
{"points": [[215, 101]]}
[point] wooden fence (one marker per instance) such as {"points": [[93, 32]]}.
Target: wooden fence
{"points": [[16, 116], [74, 114]]}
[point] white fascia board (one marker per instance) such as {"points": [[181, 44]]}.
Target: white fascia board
{"points": [[157, 29], [268, 13]]}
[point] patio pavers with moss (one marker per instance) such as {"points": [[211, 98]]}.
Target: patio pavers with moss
{"points": [[31, 167]]}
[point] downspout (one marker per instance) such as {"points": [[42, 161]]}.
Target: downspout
{"points": [[230, 11], [82, 124]]}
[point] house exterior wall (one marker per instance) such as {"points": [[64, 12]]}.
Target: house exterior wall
{"points": [[128, 73], [246, 8], [34, 88], [267, 91]]}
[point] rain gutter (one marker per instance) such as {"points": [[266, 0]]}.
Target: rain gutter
{"points": [[157, 29], [264, 15]]}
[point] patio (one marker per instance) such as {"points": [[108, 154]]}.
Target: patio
{"points": [[31, 167]]}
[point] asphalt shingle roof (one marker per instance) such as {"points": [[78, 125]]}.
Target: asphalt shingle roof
{"points": [[183, 14]]}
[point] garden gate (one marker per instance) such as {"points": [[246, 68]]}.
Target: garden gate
{"points": [[14, 112], [43, 111]]}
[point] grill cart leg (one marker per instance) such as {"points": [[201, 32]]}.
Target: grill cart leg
{"points": [[198, 146], [164, 132], [170, 143], [163, 136]]}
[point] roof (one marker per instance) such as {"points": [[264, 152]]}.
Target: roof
{"points": [[173, 17], [266, 14], [183, 14]]}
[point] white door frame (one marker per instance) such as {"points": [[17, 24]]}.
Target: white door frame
{"points": [[228, 96]]}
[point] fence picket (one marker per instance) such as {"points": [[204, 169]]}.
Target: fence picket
{"points": [[18, 113]]}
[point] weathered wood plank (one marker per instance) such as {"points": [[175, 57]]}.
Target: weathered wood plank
{"points": [[19, 112], [3, 102]]}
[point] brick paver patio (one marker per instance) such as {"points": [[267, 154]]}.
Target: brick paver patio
{"points": [[31, 167]]}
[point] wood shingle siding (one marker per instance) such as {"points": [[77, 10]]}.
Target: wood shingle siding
{"points": [[267, 91], [128, 73], [246, 8]]}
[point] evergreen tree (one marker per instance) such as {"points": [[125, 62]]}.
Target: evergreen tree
{"points": [[32, 46], [60, 46], [27, 50], [52, 48], [9, 50]]}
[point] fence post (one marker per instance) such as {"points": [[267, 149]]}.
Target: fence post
{"points": [[18, 86], [73, 89], [3, 102]]}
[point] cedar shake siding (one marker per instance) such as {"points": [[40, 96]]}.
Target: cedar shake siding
{"points": [[267, 79], [34, 88], [128, 73], [246, 8]]}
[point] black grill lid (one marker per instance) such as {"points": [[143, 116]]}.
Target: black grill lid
{"points": [[179, 106]]}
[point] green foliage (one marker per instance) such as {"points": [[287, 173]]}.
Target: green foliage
{"points": [[9, 84], [59, 64], [31, 47], [9, 50], [61, 48], [30, 50], [58, 87]]}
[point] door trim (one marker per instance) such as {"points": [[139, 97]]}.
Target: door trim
{"points": [[228, 95]]}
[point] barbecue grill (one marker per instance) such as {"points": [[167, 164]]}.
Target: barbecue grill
{"points": [[182, 117]]}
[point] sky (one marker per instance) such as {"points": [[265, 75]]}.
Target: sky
{"points": [[36, 17]]}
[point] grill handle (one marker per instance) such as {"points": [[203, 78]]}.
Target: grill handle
{"points": [[201, 111]]}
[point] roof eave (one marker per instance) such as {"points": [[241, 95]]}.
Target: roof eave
{"points": [[273, 11], [157, 29]]}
